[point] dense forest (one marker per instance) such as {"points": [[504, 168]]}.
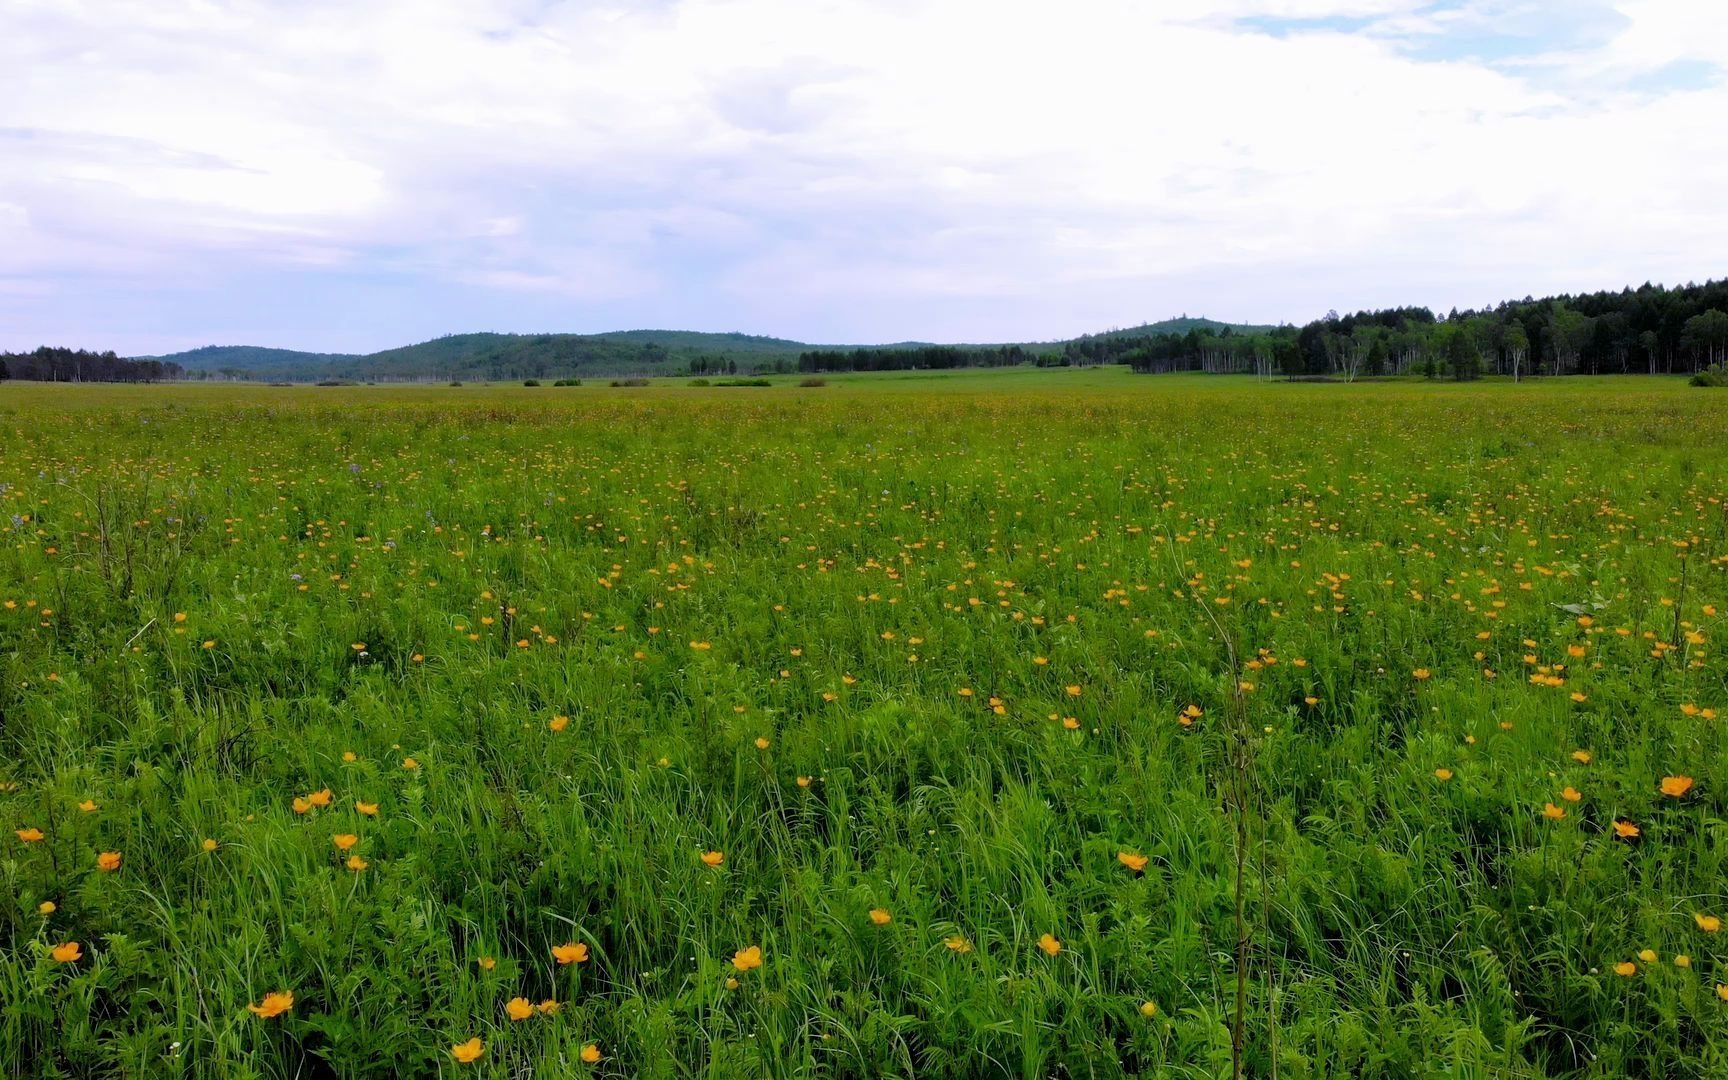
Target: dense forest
{"points": [[78, 365], [1649, 330], [1652, 330]]}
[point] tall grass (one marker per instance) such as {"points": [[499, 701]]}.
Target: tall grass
{"points": [[913, 647]]}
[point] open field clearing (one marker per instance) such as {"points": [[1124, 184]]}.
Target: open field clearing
{"points": [[900, 726]]}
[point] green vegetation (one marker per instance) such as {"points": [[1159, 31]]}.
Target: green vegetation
{"points": [[935, 724]]}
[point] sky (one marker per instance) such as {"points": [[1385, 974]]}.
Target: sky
{"points": [[342, 176]]}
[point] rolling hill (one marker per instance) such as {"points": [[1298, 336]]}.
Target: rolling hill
{"points": [[482, 356]]}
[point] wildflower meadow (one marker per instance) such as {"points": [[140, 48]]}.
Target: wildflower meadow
{"points": [[1023, 723]]}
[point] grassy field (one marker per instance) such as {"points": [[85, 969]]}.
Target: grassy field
{"points": [[899, 726]]}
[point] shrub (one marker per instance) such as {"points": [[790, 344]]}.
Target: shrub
{"points": [[530, 382], [1716, 375], [568, 382], [629, 382]]}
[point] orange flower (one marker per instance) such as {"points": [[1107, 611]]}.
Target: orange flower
{"points": [[274, 1004], [1421, 673], [370, 809], [1708, 923], [1582, 757], [1676, 786], [320, 798], [344, 841], [108, 861], [468, 1051], [1132, 861], [30, 835], [558, 723], [67, 952], [746, 959], [1571, 794], [1049, 944], [518, 1008], [713, 858], [300, 805], [356, 863], [486, 963], [88, 806], [880, 916], [1625, 830], [575, 952], [1549, 810], [1626, 968], [590, 1053], [761, 743]]}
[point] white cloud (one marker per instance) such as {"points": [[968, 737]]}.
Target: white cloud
{"points": [[786, 158]]}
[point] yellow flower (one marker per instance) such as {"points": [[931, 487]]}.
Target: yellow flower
{"points": [[747, 959], [209, 844], [1625, 830], [575, 952], [958, 943], [344, 841], [880, 916], [1626, 968], [468, 1051], [518, 1008], [356, 863], [300, 805], [590, 1053], [1722, 991], [486, 963], [1708, 923], [1582, 757], [1421, 673], [548, 1007], [1049, 944], [30, 835], [370, 809], [47, 907], [67, 952], [410, 763], [274, 1004], [761, 743], [1072, 691], [1676, 786], [1148, 1010], [350, 756], [108, 861], [558, 723], [731, 983], [1681, 960], [1132, 861], [1647, 955], [88, 806], [713, 858], [1443, 774], [803, 781]]}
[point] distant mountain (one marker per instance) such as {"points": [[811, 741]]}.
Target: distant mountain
{"points": [[484, 356], [1183, 325], [247, 357]]}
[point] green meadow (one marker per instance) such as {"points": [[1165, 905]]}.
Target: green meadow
{"points": [[1032, 723]]}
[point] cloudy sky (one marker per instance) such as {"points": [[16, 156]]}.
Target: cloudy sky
{"points": [[348, 176]]}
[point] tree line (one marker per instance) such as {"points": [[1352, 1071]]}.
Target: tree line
{"points": [[1650, 330], [48, 364]]}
